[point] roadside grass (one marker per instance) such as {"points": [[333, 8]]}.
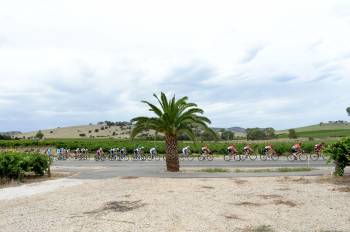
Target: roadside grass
{"points": [[298, 169], [260, 170], [213, 170], [262, 228]]}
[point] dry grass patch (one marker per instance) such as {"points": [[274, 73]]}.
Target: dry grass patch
{"points": [[239, 181], [118, 206], [247, 203], [129, 177], [345, 189], [207, 187], [262, 228], [232, 216], [269, 196], [284, 202]]}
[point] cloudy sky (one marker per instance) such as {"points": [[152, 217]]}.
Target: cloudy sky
{"points": [[246, 63]]}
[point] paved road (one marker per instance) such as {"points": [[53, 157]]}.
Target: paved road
{"points": [[90, 169]]}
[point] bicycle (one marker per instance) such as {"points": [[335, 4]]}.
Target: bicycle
{"points": [[316, 156], [153, 156], [246, 154], [299, 155], [265, 155], [205, 156], [138, 155], [187, 156], [123, 155]]}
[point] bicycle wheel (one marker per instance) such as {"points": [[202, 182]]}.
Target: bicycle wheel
{"points": [[227, 157], [274, 157], [190, 157], [263, 157], [253, 157], [290, 157], [149, 157], [243, 157], [157, 157], [210, 158], [303, 156], [314, 156], [201, 158]]}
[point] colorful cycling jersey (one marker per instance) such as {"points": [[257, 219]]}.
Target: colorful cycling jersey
{"points": [[268, 147], [318, 147], [296, 146]]}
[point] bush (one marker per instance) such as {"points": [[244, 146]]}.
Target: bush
{"points": [[82, 135], [96, 130], [39, 135], [339, 153], [13, 165]]}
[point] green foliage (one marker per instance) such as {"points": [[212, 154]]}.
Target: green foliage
{"points": [[227, 135], [348, 110], [173, 117], [339, 153], [260, 134], [292, 134], [5, 137], [39, 135], [13, 165]]}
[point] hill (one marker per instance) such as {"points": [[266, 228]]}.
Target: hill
{"points": [[321, 130], [83, 131]]}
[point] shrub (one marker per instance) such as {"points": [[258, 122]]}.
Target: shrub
{"points": [[82, 135], [339, 153], [13, 165], [39, 135], [96, 130]]}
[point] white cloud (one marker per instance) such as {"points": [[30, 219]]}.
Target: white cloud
{"points": [[248, 63]]}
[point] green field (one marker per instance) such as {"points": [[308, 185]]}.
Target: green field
{"points": [[320, 133]]}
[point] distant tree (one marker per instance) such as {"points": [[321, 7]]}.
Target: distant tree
{"points": [[82, 135], [292, 134], [260, 133], [269, 133], [348, 110], [255, 134], [227, 135], [39, 135], [97, 130], [5, 137]]}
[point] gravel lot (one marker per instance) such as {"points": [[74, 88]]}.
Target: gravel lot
{"points": [[164, 204]]}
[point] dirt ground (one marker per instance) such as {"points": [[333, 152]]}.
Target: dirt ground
{"points": [[161, 204]]}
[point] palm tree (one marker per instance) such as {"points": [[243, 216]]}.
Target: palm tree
{"points": [[172, 118]]}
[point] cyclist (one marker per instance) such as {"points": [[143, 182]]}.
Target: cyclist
{"points": [[296, 148], [205, 150], [267, 150], [232, 150], [186, 151], [138, 152], [153, 152], [247, 149], [99, 153], [48, 152], [318, 147]]}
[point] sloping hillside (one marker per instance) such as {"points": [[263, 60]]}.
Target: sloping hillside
{"points": [[87, 131], [321, 130]]}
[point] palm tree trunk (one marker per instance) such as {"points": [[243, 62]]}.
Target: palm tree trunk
{"points": [[172, 157]]}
